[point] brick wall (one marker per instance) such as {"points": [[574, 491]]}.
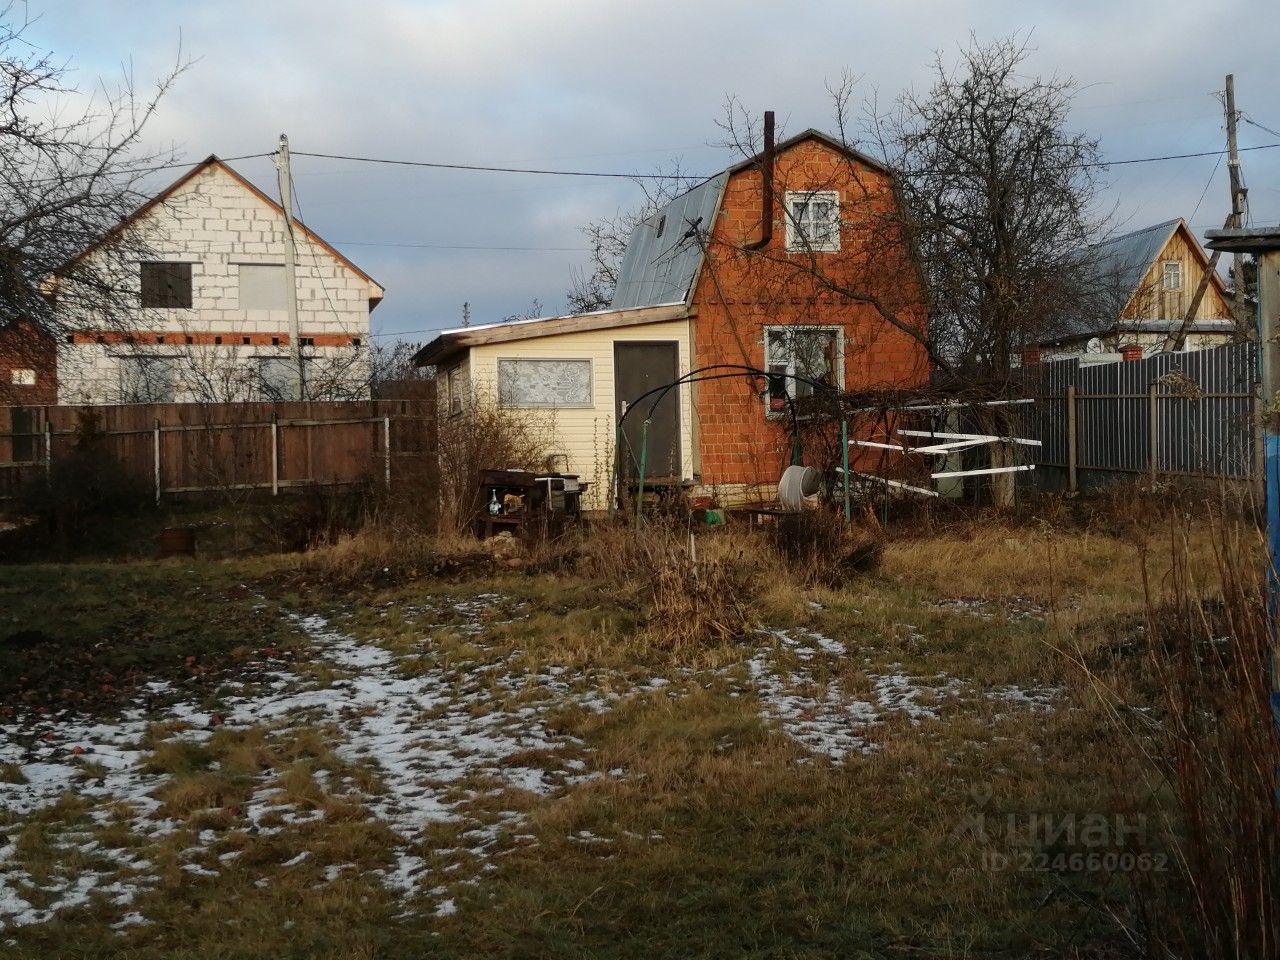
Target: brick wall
{"points": [[739, 293], [217, 224], [28, 367]]}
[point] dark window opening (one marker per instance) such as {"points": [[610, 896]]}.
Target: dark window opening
{"points": [[245, 341], [308, 341], [166, 285], [217, 341], [275, 341], [160, 338], [355, 341], [71, 338], [188, 339]]}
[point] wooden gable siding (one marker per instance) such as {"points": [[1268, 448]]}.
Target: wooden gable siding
{"points": [[1150, 301]]}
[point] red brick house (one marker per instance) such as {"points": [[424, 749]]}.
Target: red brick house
{"points": [[28, 367], [787, 263]]}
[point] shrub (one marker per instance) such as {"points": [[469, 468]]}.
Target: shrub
{"points": [[484, 436], [85, 489]]}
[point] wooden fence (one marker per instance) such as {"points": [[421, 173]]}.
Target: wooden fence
{"points": [[188, 448]]}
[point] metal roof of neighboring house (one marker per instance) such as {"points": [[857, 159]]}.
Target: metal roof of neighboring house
{"points": [[452, 342], [665, 250], [1124, 260]]}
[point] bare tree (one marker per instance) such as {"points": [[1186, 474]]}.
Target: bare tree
{"points": [[71, 164], [593, 288], [997, 194], [978, 245]]}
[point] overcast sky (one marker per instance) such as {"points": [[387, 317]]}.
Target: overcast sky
{"points": [[611, 85]]}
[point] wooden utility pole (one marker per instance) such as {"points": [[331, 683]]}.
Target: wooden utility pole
{"points": [[1235, 219], [291, 266], [1239, 313]]}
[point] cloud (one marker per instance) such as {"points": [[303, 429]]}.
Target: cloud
{"points": [[621, 86]]}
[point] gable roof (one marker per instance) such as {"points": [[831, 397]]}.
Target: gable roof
{"points": [[452, 342], [213, 161], [664, 254], [1119, 265]]}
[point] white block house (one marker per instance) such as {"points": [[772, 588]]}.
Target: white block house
{"points": [[212, 322]]}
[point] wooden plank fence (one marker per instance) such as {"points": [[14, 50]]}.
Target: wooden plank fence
{"points": [[187, 448]]}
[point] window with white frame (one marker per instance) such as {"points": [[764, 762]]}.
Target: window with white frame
{"points": [[147, 379], [1172, 275], [544, 383], [802, 360], [24, 377], [453, 388], [813, 220]]}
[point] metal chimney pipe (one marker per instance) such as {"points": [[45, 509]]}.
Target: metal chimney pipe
{"points": [[766, 186]]}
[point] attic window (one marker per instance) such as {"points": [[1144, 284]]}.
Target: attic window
{"points": [[662, 224], [166, 285], [22, 378], [1171, 275], [813, 221]]}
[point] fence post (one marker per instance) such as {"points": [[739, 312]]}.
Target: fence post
{"points": [[275, 454], [1072, 440], [386, 448], [156, 450], [1153, 416], [48, 451]]}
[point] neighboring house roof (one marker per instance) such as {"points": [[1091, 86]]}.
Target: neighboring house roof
{"points": [[376, 289], [1120, 265], [666, 249], [450, 343]]}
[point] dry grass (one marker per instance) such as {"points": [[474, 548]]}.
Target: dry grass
{"points": [[700, 828]]}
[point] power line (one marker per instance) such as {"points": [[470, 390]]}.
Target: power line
{"points": [[480, 168], [488, 169], [1252, 122], [454, 246], [1205, 191]]}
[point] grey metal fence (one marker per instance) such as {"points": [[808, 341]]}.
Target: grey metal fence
{"points": [[1186, 414]]}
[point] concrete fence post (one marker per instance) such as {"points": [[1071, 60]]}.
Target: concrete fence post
{"points": [[48, 451], [1073, 440], [275, 454]]}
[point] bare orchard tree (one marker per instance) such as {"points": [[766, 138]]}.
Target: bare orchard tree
{"points": [[71, 164], [394, 376], [592, 288], [986, 220], [998, 194]]}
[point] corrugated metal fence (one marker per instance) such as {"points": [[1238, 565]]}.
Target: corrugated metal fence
{"points": [[181, 448], [1185, 414]]}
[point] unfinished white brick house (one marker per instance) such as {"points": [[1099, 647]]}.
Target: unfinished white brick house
{"points": [[212, 319]]}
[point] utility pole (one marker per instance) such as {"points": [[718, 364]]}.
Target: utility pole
{"points": [[1235, 220], [1238, 195], [291, 265]]}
